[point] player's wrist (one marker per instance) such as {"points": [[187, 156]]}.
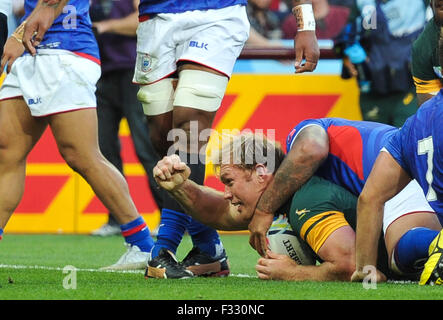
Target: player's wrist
{"points": [[304, 14], [18, 33]]}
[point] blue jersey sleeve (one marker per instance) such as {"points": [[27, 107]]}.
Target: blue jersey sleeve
{"points": [[395, 148], [299, 127]]}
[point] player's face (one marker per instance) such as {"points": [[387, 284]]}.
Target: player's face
{"points": [[242, 188], [437, 8]]}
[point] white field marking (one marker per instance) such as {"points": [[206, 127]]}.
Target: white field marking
{"points": [[239, 275], [15, 266]]}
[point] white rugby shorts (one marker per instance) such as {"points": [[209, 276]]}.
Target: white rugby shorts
{"points": [[53, 81], [213, 38], [410, 200]]}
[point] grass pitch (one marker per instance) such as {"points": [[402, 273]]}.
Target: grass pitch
{"points": [[31, 268]]}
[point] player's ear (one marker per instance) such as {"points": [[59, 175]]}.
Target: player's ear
{"points": [[261, 171]]}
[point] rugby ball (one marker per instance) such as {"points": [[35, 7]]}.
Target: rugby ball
{"points": [[283, 240]]}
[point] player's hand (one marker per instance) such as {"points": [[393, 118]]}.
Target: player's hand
{"points": [[276, 267], [258, 228], [171, 172], [306, 47], [12, 50], [36, 26], [359, 276]]}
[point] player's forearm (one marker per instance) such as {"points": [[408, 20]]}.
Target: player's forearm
{"points": [[304, 14], [327, 271], [208, 206], [126, 26], [288, 179], [309, 151], [57, 5], [369, 224]]}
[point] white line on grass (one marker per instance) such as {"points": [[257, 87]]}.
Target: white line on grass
{"points": [[239, 275], [15, 266]]}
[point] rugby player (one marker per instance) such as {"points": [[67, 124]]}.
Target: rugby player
{"points": [[343, 152], [321, 213], [414, 152], [53, 85], [183, 71]]}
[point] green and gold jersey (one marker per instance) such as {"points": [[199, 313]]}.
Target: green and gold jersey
{"points": [[426, 69], [319, 208]]}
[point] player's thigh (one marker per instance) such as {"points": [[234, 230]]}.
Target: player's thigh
{"points": [[76, 134], [199, 93], [216, 39], [408, 209], [19, 131]]}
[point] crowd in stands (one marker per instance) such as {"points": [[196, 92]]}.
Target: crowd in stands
{"points": [[272, 20]]}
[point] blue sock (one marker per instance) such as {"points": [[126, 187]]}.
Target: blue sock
{"points": [[1, 233], [412, 247], [170, 233], [205, 238], [137, 233]]}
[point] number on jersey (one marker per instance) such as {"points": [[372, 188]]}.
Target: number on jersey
{"points": [[426, 146]]}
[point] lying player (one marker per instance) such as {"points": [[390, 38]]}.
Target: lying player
{"points": [[414, 152], [322, 213], [343, 152]]}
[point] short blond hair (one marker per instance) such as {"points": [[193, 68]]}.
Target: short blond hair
{"points": [[246, 150]]}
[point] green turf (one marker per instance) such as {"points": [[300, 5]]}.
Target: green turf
{"points": [[85, 252]]}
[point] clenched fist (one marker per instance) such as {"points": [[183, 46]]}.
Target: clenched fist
{"points": [[171, 172]]}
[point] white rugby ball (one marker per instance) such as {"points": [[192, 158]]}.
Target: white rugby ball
{"points": [[283, 240]]}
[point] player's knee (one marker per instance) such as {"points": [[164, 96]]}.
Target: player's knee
{"points": [[78, 161], [200, 90], [11, 153], [365, 197], [157, 98]]}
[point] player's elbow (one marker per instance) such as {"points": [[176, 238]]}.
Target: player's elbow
{"points": [[310, 152], [314, 151], [368, 198]]}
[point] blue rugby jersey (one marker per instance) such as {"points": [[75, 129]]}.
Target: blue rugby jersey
{"points": [[150, 7], [353, 148], [71, 31], [418, 148]]}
